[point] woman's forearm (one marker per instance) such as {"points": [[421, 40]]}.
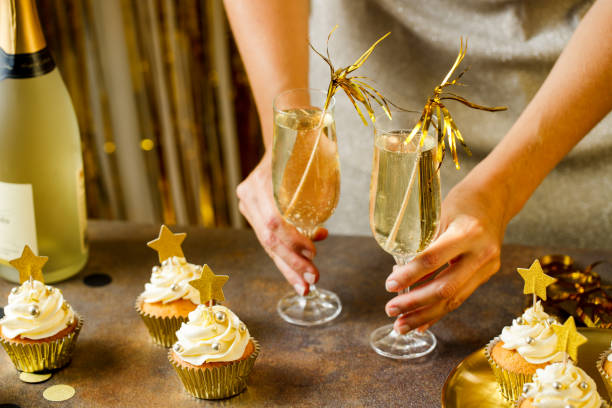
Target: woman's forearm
{"points": [[272, 37], [575, 96]]}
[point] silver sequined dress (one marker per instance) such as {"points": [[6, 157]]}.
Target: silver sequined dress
{"points": [[512, 47]]}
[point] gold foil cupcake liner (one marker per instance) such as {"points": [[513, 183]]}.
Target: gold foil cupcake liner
{"points": [[43, 356], [604, 404], [162, 329], [607, 380], [216, 382], [510, 384]]}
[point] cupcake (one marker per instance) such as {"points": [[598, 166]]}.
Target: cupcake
{"points": [[214, 353], [530, 343], [604, 366], [559, 385], [39, 329], [168, 298]]}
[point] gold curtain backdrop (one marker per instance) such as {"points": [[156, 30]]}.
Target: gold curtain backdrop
{"points": [[167, 121]]}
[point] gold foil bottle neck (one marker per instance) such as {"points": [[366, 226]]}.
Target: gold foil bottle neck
{"points": [[20, 30]]}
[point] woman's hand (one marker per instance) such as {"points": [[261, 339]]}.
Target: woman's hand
{"points": [[471, 232], [291, 251]]}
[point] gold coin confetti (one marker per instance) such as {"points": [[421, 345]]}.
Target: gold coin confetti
{"points": [[61, 392], [33, 378]]}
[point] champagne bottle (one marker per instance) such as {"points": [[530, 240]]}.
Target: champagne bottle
{"points": [[42, 196]]}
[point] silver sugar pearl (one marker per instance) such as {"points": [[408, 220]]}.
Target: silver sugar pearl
{"points": [[529, 340], [177, 348], [242, 328], [526, 388], [156, 269], [219, 317], [14, 290], [165, 262], [198, 269], [34, 311], [174, 287], [557, 386], [519, 320], [216, 346], [551, 320], [569, 406], [584, 385]]}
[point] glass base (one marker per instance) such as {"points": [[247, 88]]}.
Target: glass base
{"points": [[318, 307], [414, 344]]}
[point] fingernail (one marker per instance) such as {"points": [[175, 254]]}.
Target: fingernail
{"points": [[395, 267], [300, 289], [392, 311], [391, 285], [310, 278], [308, 254]]}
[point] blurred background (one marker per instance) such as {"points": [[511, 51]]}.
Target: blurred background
{"points": [[168, 124]]}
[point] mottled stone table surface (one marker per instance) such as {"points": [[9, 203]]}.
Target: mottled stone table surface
{"points": [[116, 365]]}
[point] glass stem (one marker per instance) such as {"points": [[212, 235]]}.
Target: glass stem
{"points": [[309, 233], [402, 260]]}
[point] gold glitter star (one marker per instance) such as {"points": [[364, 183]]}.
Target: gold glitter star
{"points": [[168, 244], [29, 265], [209, 285], [536, 280], [568, 338]]}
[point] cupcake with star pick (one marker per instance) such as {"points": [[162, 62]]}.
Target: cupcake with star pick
{"points": [[529, 343], [214, 353], [604, 366], [39, 328], [168, 298], [562, 384]]}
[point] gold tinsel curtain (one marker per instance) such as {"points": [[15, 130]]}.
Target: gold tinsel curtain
{"points": [[161, 97]]}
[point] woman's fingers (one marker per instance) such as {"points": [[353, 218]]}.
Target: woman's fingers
{"points": [[447, 246], [428, 315], [443, 288], [291, 251]]}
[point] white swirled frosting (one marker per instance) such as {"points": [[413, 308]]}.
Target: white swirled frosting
{"points": [[210, 335], [557, 387], [35, 311], [532, 336], [171, 282]]}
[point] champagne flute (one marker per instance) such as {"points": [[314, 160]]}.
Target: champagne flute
{"points": [[306, 182], [404, 212]]}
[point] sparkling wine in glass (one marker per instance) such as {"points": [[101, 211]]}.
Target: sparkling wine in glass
{"points": [[404, 212], [306, 183]]}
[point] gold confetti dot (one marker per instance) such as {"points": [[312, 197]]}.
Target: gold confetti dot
{"points": [[33, 378], [109, 147], [147, 144], [61, 392]]}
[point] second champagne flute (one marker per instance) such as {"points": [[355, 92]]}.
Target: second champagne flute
{"points": [[306, 182], [404, 212]]}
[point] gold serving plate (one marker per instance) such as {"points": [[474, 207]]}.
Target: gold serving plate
{"points": [[472, 385]]}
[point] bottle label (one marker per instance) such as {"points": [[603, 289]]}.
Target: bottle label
{"points": [[25, 65], [17, 221]]}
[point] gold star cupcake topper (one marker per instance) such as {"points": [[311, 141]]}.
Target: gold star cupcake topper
{"points": [[29, 265], [536, 281], [168, 244], [568, 339], [209, 285]]}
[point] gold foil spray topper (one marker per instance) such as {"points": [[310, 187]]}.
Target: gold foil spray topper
{"points": [[29, 265], [210, 286], [168, 244], [355, 87], [445, 125]]}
